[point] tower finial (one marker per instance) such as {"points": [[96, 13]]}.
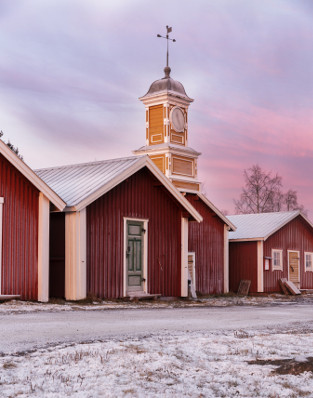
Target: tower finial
{"points": [[167, 69]]}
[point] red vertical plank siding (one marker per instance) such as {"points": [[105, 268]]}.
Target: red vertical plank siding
{"points": [[20, 233], [296, 235], [206, 239], [140, 196], [243, 264]]}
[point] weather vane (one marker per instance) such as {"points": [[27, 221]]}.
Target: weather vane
{"points": [[168, 30]]}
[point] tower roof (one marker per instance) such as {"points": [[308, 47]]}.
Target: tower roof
{"points": [[167, 85]]}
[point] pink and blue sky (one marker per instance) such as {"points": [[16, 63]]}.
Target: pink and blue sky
{"points": [[71, 72]]}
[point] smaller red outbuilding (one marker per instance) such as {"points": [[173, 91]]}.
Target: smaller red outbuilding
{"points": [[269, 246], [208, 247], [24, 229]]}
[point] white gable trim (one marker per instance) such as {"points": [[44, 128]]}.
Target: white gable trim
{"points": [[184, 257], [293, 216], [215, 209], [144, 161], [43, 248], [31, 176]]}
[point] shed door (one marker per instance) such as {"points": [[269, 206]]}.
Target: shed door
{"points": [[294, 272], [134, 255]]}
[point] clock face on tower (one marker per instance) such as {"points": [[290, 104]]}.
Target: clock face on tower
{"points": [[177, 119]]}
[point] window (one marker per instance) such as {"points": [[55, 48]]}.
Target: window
{"points": [[308, 261], [277, 262]]}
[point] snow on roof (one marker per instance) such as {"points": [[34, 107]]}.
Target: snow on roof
{"points": [[260, 226]]}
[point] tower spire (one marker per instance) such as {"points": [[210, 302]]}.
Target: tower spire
{"points": [[167, 69]]}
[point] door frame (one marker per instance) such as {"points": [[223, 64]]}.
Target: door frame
{"points": [[145, 254], [298, 252]]}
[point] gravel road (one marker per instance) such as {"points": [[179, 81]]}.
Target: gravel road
{"points": [[22, 332]]}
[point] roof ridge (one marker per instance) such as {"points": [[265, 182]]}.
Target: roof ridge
{"points": [[95, 162], [263, 214]]}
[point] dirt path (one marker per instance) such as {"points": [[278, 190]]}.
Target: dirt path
{"points": [[20, 332]]}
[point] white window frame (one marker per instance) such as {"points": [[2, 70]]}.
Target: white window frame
{"points": [[308, 269], [277, 267], [1, 212]]}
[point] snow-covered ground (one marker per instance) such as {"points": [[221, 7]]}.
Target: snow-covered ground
{"points": [[261, 361], [181, 364]]}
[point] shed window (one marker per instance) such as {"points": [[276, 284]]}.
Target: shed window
{"points": [[277, 264], [308, 259]]}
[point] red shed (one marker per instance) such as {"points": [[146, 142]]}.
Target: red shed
{"points": [[24, 229], [208, 247], [269, 246], [126, 229]]}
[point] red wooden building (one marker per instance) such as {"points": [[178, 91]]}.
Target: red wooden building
{"points": [[167, 135], [24, 229], [208, 247], [269, 246], [125, 227]]}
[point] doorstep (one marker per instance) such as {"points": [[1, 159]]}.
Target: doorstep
{"points": [[141, 296], [6, 297]]}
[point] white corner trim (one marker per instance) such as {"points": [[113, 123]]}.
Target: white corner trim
{"points": [[260, 273], [43, 248], [31, 176], [226, 259], [75, 255], [1, 213], [184, 257], [145, 254]]}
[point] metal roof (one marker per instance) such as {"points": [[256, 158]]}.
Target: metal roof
{"points": [[74, 183], [260, 226], [81, 184], [168, 85]]}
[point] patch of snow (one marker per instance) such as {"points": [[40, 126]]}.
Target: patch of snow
{"points": [[181, 364]]}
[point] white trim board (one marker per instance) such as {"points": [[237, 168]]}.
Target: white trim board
{"points": [[31, 176], [184, 257], [260, 267], [75, 255], [43, 248]]}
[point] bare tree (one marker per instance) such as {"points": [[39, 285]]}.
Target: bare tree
{"points": [[262, 193], [291, 201]]}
